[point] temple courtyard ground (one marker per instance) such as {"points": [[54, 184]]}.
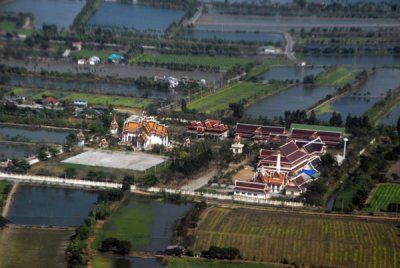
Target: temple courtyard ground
{"points": [[125, 160]]}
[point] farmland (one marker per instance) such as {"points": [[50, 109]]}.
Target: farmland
{"points": [[338, 76], [93, 99], [234, 93], [225, 63], [383, 195], [314, 240], [194, 263]]}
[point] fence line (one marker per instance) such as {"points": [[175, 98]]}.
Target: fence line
{"points": [[112, 185]]}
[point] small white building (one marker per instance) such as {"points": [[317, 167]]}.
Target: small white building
{"points": [[80, 103], [173, 82], [237, 147], [250, 189], [81, 62], [94, 60], [81, 139]]}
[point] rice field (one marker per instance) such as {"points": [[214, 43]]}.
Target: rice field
{"points": [[382, 195], [304, 239], [335, 77]]}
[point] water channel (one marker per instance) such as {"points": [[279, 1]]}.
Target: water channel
{"points": [[16, 150], [59, 12], [137, 17], [33, 134]]}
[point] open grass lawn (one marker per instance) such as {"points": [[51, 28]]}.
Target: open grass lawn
{"points": [[225, 63], [93, 99], [128, 223], [193, 263], [382, 195], [320, 240], [233, 93], [338, 76], [326, 108], [11, 27], [101, 262]]}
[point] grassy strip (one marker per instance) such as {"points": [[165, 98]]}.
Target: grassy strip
{"points": [[383, 107], [11, 27], [383, 195], [87, 11], [326, 108], [3, 196], [93, 99], [201, 60], [337, 76], [266, 66], [234, 93], [283, 236], [196, 263]]}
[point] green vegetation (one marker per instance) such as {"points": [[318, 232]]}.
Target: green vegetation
{"points": [[129, 223], [337, 76], [12, 27], [225, 63], [87, 11], [383, 195], [326, 108], [301, 239], [383, 107], [234, 93], [5, 187], [101, 262], [259, 70], [93, 99], [194, 263]]}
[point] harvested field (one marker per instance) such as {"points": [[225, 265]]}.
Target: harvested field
{"points": [[304, 239]]}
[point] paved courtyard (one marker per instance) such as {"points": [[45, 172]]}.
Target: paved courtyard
{"points": [[126, 160]]}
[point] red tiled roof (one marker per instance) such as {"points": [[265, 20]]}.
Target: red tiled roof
{"points": [[247, 184], [288, 148]]}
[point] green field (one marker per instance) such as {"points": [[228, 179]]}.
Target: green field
{"points": [[338, 76], [326, 108], [102, 262], [316, 240], [382, 195], [225, 63], [265, 66], [11, 27], [194, 263], [233, 93], [93, 99], [128, 223]]}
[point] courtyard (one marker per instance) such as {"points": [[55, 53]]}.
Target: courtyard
{"points": [[124, 160]]}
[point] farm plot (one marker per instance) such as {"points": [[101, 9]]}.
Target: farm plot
{"points": [[234, 93], [312, 240], [193, 263], [383, 195], [225, 63], [335, 77]]}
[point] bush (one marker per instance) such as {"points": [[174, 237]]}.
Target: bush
{"points": [[122, 247]]}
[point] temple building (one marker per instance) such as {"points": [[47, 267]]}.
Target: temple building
{"points": [[276, 167], [331, 136], [250, 189], [237, 147], [211, 128], [143, 132], [114, 126], [260, 133]]}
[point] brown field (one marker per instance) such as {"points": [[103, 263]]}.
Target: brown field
{"points": [[304, 239]]}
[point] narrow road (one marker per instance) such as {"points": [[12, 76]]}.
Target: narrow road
{"points": [[6, 208], [199, 182], [289, 46]]}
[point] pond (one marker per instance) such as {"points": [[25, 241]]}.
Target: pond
{"points": [[51, 206], [137, 17], [352, 59], [290, 73], [33, 134], [33, 247], [59, 12], [83, 86], [367, 95], [146, 222], [17, 150], [235, 36], [295, 98]]}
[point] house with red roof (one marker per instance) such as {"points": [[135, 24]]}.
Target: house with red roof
{"points": [[250, 189], [331, 136], [51, 101], [259, 133], [209, 127], [275, 167]]}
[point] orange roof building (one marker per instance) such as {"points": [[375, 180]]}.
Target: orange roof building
{"points": [[208, 128], [144, 132]]}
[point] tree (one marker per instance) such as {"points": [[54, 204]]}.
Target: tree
{"points": [[70, 172], [184, 106], [127, 182], [20, 166], [54, 151], [315, 192], [42, 155], [398, 126], [3, 221], [237, 108], [312, 119]]}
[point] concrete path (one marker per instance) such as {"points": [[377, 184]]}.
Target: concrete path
{"points": [[199, 182], [10, 195]]}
